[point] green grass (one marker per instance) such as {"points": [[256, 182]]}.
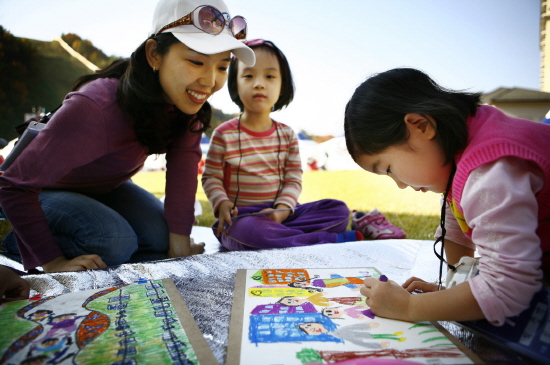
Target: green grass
{"points": [[416, 213]]}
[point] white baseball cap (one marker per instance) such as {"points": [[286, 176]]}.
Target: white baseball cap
{"points": [[168, 11]]}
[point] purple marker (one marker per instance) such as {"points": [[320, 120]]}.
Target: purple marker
{"points": [[369, 313], [383, 278]]}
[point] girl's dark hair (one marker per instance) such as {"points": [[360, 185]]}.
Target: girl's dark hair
{"points": [[140, 94], [374, 116], [287, 84]]}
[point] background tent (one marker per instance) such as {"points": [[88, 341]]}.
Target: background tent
{"points": [[336, 155], [158, 162], [309, 152]]}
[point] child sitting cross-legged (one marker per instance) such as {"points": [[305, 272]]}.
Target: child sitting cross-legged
{"points": [[254, 165]]}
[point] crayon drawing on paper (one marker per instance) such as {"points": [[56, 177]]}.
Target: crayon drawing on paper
{"points": [[123, 325], [318, 316]]}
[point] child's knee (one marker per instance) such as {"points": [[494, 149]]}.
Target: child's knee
{"points": [[336, 207]]}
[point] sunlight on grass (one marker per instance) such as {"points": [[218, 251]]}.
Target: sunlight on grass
{"points": [[364, 191], [417, 213]]}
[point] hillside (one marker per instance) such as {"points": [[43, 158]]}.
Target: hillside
{"points": [[57, 72], [39, 82], [52, 71]]}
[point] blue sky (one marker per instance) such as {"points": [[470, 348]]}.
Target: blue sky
{"points": [[332, 46]]}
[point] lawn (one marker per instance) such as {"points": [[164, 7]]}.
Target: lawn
{"points": [[417, 213]]}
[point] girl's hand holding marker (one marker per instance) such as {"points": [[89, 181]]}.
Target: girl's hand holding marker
{"points": [[386, 298]]}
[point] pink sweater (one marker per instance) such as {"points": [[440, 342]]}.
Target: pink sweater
{"points": [[89, 146], [500, 206]]}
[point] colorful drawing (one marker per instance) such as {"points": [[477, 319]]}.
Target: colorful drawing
{"points": [[128, 324], [332, 323], [358, 311], [291, 304], [277, 277], [332, 281], [277, 291]]}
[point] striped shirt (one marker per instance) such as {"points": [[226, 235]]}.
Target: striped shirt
{"points": [[266, 166]]}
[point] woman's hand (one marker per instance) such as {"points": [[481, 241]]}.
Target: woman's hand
{"points": [[387, 299], [83, 262], [278, 217], [182, 246], [225, 212], [416, 285], [12, 286]]}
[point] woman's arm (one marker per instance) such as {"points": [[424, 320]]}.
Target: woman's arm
{"points": [[182, 162], [213, 175], [74, 137]]}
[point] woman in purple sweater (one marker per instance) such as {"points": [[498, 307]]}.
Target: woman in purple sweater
{"points": [[69, 196]]}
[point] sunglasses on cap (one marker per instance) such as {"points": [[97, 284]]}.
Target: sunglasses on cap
{"points": [[212, 21]]}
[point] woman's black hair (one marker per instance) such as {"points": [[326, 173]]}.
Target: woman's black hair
{"points": [[374, 116], [140, 95], [287, 84]]}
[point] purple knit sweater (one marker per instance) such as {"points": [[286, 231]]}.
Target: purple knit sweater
{"points": [[89, 146]]}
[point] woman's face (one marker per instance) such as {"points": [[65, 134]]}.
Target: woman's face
{"points": [[188, 78]]}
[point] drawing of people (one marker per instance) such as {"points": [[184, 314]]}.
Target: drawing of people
{"points": [[54, 339], [348, 300], [284, 328], [290, 304], [35, 360], [53, 348], [335, 280], [316, 298], [40, 315], [352, 312], [62, 324], [57, 344], [285, 305], [48, 346], [358, 334]]}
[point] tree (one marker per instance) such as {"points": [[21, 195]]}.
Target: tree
{"points": [[88, 50], [218, 117], [18, 72]]}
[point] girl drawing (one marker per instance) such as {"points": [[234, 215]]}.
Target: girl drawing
{"points": [[493, 171]]}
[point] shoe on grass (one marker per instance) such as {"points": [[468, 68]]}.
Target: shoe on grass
{"points": [[375, 225]]}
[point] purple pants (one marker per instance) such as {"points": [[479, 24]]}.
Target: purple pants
{"points": [[311, 223]]}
